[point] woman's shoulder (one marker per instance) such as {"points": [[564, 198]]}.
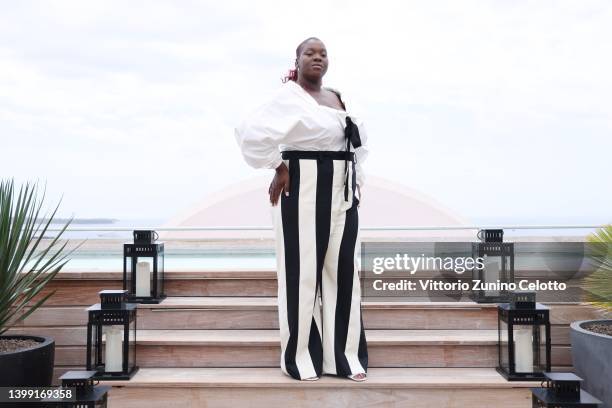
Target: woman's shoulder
{"points": [[352, 106], [334, 90], [338, 94], [331, 88]]}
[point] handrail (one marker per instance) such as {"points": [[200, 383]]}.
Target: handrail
{"points": [[380, 228]]}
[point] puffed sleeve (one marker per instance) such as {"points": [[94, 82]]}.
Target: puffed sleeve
{"points": [[361, 153], [260, 133]]}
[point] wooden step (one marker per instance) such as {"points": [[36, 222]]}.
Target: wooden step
{"points": [[439, 348], [244, 348], [222, 348], [242, 313], [82, 287], [261, 348], [261, 313], [55, 316], [85, 292], [269, 387], [271, 337]]}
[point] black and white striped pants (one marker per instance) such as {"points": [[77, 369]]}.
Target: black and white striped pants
{"points": [[319, 297]]}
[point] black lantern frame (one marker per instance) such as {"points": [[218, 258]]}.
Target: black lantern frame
{"points": [[524, 343], [562, 390], [87, 395], [133, 253], [498, 258], [112, 311]]}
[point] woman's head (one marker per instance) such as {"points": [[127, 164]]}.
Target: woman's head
{"points": [[310, 60]]}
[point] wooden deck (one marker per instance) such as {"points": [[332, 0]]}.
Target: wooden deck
{"points": [[218, 331]]}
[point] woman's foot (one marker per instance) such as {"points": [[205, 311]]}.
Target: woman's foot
{"points": [[310, 379], [358, 377]]}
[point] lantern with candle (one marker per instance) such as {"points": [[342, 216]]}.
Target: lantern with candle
{"points": [[111, 336], [143, 268], [87, 395], [562, 390], [498, 270], [524, 338]]}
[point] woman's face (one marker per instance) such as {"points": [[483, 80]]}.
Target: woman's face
{"points": [[312, 61]]}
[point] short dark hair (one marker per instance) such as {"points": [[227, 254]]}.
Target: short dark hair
{"points": [[298, 50]]}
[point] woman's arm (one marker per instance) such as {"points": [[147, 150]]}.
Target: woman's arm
{"points": [[279, 184]]}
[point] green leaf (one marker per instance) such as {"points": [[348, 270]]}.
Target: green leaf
{"points": [[28, 260], [599, 284]]}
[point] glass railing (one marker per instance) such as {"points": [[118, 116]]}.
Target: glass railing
{"points": [[540, 253], [253, 247]]}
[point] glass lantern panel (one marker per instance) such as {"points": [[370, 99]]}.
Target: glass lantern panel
{"points": [[132, 345], [503, 346], [507, 268], [160, 274], [96, 348], [539, 361], [524, 353], [144, 275], [112, 350], [128, 273], [491, 273]]}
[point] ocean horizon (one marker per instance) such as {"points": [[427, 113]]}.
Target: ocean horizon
{"points": [[95, 227]]}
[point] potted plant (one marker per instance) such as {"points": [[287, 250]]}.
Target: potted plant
{"points": [[592, 339], [26, 267]]}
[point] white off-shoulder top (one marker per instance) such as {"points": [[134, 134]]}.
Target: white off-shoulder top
{"points": [[293, 120]]}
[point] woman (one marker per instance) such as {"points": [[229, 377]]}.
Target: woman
{"points": [[316, 223]]}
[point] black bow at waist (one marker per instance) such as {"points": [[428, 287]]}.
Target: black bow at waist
{"points": [[351, 134]]}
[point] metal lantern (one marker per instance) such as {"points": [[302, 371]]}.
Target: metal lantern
{"points": [[562, 390], [524, 338], [498, 259], [87, 395], [111, 336], [143, 268]]}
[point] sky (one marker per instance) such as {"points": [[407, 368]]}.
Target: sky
{"points": [[495, 109]]}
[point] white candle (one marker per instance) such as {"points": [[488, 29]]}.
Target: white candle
{"points": [[523, 351], [113, 349], [491, 275], [143, 278]]}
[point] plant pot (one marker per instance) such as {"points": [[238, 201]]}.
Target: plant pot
{"points": [[29, 367], [592, 358]]}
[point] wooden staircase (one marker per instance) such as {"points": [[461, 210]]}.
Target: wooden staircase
{"points": [[214, 342]]}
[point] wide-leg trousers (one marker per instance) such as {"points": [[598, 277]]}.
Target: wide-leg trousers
{"points": [[317, 253]]}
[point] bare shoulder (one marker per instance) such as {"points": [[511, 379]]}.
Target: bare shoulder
{"points": [[330, 89], [335, 95]]}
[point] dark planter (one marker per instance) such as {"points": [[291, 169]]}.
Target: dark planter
{"points": [[31, 367], [592, 358]]}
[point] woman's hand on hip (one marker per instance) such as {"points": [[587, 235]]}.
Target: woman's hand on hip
{"points": [[280, 183]]}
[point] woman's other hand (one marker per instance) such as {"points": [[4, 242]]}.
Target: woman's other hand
{"points": [[280, 183]]}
